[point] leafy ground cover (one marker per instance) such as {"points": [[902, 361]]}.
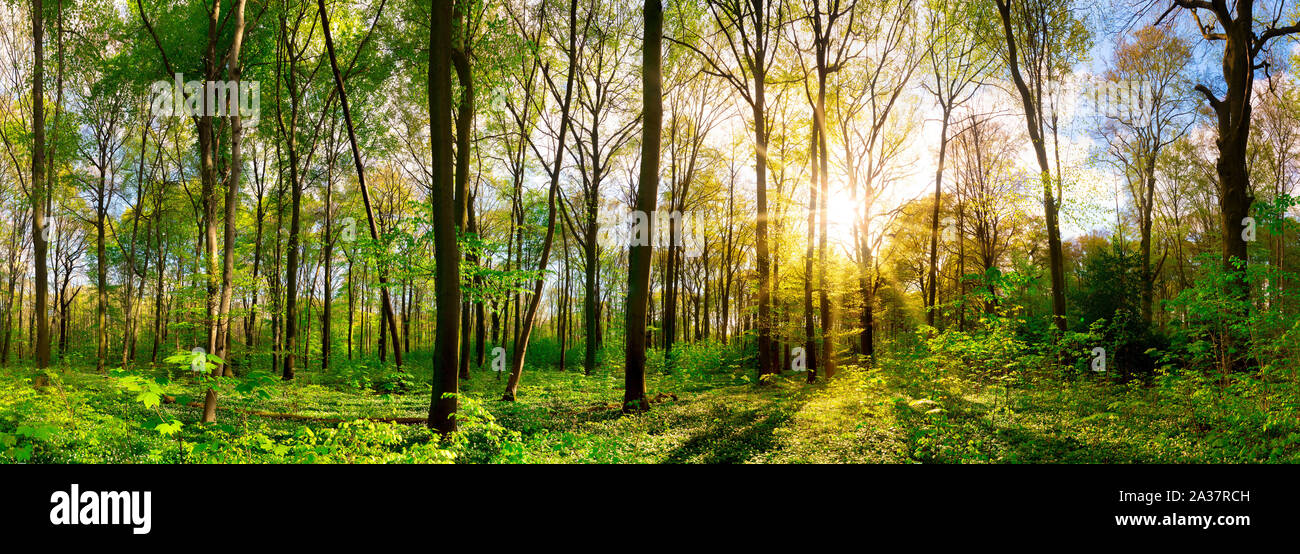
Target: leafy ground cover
{"points": [[907, 409]]}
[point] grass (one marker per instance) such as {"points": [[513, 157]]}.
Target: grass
{"points": [[891, 414]]}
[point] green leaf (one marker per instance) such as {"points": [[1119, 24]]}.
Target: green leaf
{"points": [[168, 429]]}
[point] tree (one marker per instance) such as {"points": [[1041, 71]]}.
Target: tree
{"points": [[874, 136], [208, 138], [1150, 66], [602, 129], [831, 51], [751, 31], [462, 55], [234, 63], [987, 192], [958, 57], [103, 113], [442, 407], [1246, 37], [525, 328], [1045, 38], [694, 112], [638, 280], [38, 193]]}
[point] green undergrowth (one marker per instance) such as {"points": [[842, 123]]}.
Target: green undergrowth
{"points": [[706, 408]]}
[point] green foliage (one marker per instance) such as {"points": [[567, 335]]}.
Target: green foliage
{"points": [[479, 438], [1215, 325], [353, 442], [996, 351], [196, 360], [71, 419], [370, 375], [149, 393], [1272, 211], [1107, 301], [991, 395]]}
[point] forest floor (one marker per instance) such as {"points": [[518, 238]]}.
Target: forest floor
{"points": [[884, 415]]}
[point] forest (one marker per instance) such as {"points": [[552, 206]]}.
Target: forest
{"points": [[615, 231]]}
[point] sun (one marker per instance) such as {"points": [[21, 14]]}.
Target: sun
{"points": [[841, 211]]}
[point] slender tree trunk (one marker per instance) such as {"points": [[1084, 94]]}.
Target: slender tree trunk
{"points": [[208, 174], [1148, 278], [39, 236], [934, 224], [232, 199], [328, 244], [591, 319], [277, 294], [809, 340], [351, 306], [460, 58], [480, 332], [639, 257], [1033, 124], [562, 303], [823, 290], [159, 315], [526, 327], [290, 344], [130, 272], [760, 229], [10, 299], [250, 325], [101, 269]]}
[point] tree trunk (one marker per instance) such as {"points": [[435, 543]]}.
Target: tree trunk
{"points": [[250, 320], [639, 256], [809, 340], [39, 236], [760, 227], [526, 326], [232, 200], [442, 405], [1033, 124], [290, 344], [591, 319], [934, 224], [328, 254], [351, 306], [101, 271]]}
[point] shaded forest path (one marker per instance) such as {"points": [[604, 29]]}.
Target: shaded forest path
{"points": [[860, 416], [786, 421]]}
